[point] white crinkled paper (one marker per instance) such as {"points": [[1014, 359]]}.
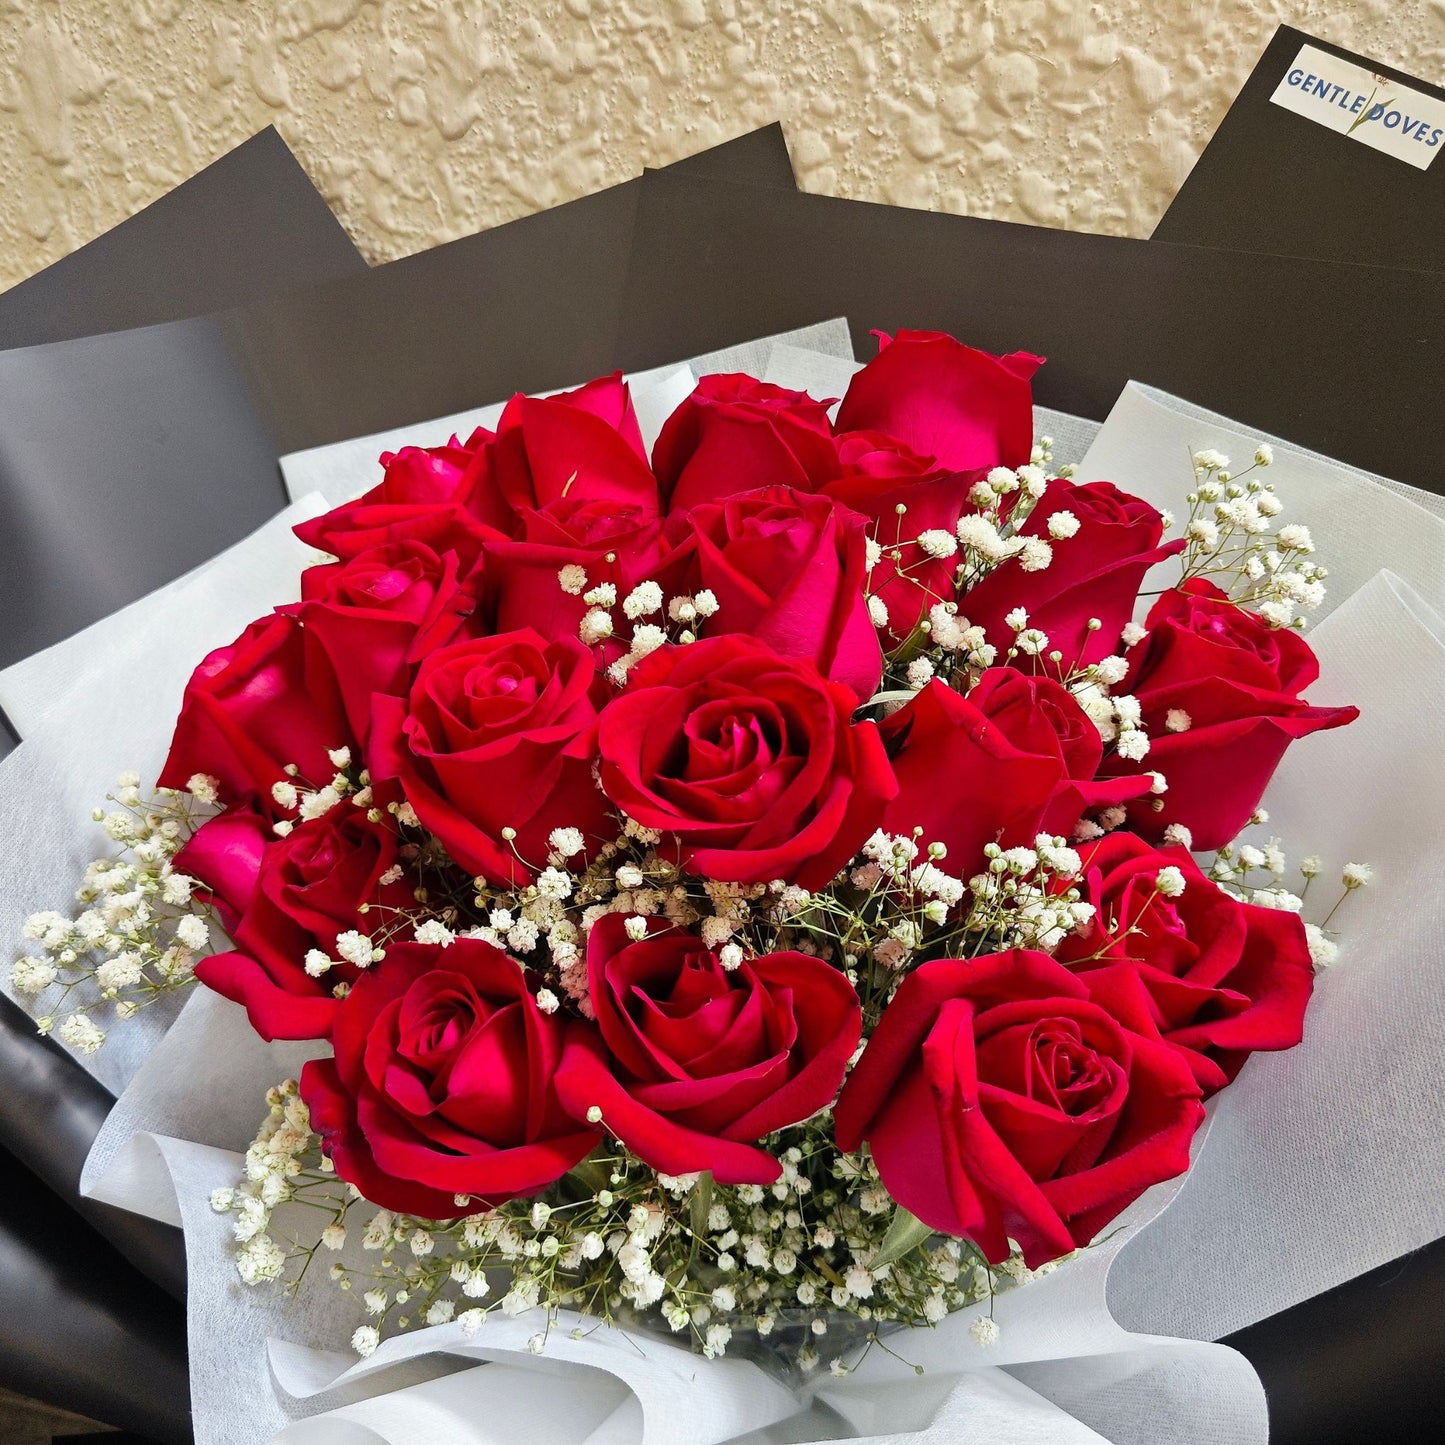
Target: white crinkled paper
{"points": [[1341, 1137]]}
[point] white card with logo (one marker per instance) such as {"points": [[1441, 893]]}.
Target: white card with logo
{"points": [[1372, 109]]}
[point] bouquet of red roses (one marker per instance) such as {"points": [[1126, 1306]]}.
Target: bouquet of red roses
{"points": [[791, 876]]}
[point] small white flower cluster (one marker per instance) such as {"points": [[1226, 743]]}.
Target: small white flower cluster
{"points": [[309, 802], [1025, 899], [281, 1165], [797, 1263], [1233, 541], [686, 616], [137, 931]]}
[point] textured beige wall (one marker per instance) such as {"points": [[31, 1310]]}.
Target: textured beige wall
{"points": [[422, 120]]}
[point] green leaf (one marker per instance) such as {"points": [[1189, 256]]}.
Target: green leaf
{"points": [[905, 1232], [699, 1202]]}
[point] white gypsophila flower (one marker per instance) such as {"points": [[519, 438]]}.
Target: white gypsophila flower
{"points": [[1276, 613], [122, 971], [203, 787], [316, 962], [572, 579], [877, 611], [1169, 881], [980, 535], [31, 975], [192, 932], [81, 1034], [715, 1342], [1032, 642], [1002, 480], [705, 602], [730, 956], [1111, 671], [1035, 554], [1034, 480], [314, 805], [643, 601], [340, 757], [567, 842], [1063, 525], [333, 1236], [1268, 505], [435, 931], [176, 889], [937, 543], [1176, 720], [260, 1259], [365, 1339], [355, 948], [604, 594], [548, 1001], [1294, 538], [919, 673], [1133, 745], [1323, 952], [647, 638], [523, 935], [1017, 619], [1210, 460], [984, 1331], [1179, 836], [1356, 875], [1203, 531], [636, 928], [1133, 634], [595, 627]]}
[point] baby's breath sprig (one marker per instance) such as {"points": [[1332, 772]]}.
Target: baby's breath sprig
{"points": [[139, 928], [801, 1269]]}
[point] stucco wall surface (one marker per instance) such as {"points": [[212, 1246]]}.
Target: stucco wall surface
{"points": [[422, 120]]}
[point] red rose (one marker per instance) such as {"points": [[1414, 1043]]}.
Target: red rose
{"points": [[1094, 573], [750, 760], [376, 616], [442, 1084], [871, 463], [945, 400], [907, 579], [1218, 690], [611, 543], [1220, 978], [442, 496], [696, 1062], [735, 434], [1001, 1101], [583, 444], [1013, 759], [281, 898], [787, 568], [266, 700], [497, 733]]}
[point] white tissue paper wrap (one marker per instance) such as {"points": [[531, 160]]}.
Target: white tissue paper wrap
{"points": [[1316, 1165]]}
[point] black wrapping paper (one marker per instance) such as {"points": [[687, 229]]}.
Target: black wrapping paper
{"points": [[246, 226], [137, 455], [1341, 358], [1270, 180]]}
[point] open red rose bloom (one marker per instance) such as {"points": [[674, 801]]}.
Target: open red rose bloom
{"points": [[811, 799]]}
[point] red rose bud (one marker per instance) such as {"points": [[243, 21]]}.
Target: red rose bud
{"points": [[1002, 1101], [789, 569], [735, 434], [284, 900], [1220, 978], [266, 701], [1218, 691], [942, 399], [442, 1084], [749, 760], [498, 733], [692, 1063]]}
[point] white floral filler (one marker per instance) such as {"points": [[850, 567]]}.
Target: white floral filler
{"points": [[822, 1263]]}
